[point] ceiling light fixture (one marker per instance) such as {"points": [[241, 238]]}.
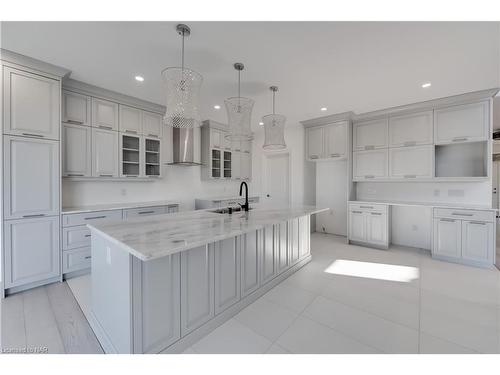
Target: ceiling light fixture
{"points": [[239, 113], [139, 78], [216, 106], [261, 123], [183, 88], [324, 109], [274, 128], [427, 84]]}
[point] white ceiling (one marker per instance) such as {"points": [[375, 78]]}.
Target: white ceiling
{"points": [[358, 66]]}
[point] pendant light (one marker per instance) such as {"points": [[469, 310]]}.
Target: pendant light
{"points": [[239, 113], [183, 89], [274, 128]]}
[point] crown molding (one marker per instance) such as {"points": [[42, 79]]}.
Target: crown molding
{"points": [[325, 120], [7, 56]]}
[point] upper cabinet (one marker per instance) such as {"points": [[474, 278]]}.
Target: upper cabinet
{"points": [[369, 135], [327, 142], [152, 124], [76, 148], [76, 108], [130, 119], [411, 129], [370, 165], [104, 153], [104, 114], [462, 123], [33, 103], [411, 162]]}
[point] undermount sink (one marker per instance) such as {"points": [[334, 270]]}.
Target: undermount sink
{"points": [[228, 210]]}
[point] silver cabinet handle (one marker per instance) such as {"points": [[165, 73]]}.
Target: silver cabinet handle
{"points": [[369, 176], [105, 127], [105, 175], [74, 175], [357, 212], [369, 207], [334, 155], [34, 215], [459, 139], [145, 212], [95, 217], [131, 131], [376, 213], [477, 222], [88, 257], [314, 156], [369, 147], [410, 176], [461, 214], [74, 122], [410, 143], [87, 235], [33, 135], [448, 220], [152, 135]]}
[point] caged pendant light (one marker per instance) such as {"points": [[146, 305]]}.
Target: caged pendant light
{"points": [[274, 128], [183, 89], [239, 113]]}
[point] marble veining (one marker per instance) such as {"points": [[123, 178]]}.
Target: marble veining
{"points": [[424, 204], [114, 206], [161, 235]]}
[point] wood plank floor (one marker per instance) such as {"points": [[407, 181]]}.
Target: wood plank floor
{"points": [[46, 319]]}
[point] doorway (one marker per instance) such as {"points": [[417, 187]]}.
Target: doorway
{"points": [[276, 179]]}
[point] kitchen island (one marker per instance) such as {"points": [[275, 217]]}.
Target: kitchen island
{"points": [[161, 283]]}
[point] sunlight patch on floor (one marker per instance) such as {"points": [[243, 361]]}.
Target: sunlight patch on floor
{"points": [[380, 271]]}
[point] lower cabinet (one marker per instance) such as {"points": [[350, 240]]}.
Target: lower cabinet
{"points": [[76, 259], [227, 274], [281, 243], [269, 267], [304, 236], [293, 241], [197, 288], [369, 224], [31, 248], [467, 239], [250, 262]]}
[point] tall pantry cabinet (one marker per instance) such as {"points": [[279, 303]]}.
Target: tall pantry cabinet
{"points": [[31, 175]]}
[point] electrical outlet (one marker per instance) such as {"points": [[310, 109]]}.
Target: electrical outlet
{"points": [[123, 191], [437, 193]]}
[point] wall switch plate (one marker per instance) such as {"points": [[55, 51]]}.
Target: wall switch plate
{"points": [[437, 193]]}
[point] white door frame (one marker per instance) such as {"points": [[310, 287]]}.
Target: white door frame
{"points": [[265, 157]]}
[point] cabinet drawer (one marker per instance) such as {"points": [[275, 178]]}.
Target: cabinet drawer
{"points": [[74, 237], [91, 217], [144, 211], [77, 259], [368, 207], [464, 214]]}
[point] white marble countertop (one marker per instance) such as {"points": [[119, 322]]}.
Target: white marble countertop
{"points": [[226, 198], [157, 236], [114, 206], [425, 204]]}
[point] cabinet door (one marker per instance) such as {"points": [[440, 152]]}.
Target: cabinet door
{"points": [[31, 250], [245, 166], [447, 238], [131, 155], [236, 165], [76, 151], [376, 228], [315, 143], [269, 269], [304, 237], [104, 114], [281, 243], [370, 164], [130, 119], [410, 163], [462, 123], [76, 108], [197, 288], [250, 262], [31, 104], [226, 143], [336, 138], [293, 241], [477, 241], [152, 124], [357, 225], [31, 177], [215, 138], [369, 135], [104, 153], [411, 130], [160, 301], [227, 274], [246, 146], [152, 157]]}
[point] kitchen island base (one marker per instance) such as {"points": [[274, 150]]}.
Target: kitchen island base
{"points": [[169, 303]]}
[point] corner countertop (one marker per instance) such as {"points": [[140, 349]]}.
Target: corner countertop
{"points": [[114, 206], [157, 236], [425, 204]]}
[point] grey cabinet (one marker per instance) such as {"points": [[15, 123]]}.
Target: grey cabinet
{"points": [[76, 108], [447, 237], [197, 288], [269, 267], [130, 119], [104, 153], [227, 274], [250, 262], [152, 124], [76, 151], [31, 250], [304, 236], [31, 177], [293, 241], [281, 243], [104, 114], [31, 103]]}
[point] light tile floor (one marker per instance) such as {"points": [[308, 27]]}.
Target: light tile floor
{"points": [[449, 308]]}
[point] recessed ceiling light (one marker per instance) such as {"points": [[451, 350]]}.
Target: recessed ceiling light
{"points": [[261, 123], [425, 85], [216, 106], [139, 78], [324, 109]]}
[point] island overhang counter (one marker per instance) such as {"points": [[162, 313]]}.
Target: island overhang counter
{"points": [[161, 283]]}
